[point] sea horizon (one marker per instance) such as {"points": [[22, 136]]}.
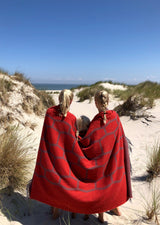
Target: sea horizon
{"points": [[54, 86]]}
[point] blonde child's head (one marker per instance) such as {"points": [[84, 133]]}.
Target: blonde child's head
{"points": [[65, 99], [101, 101], [83, 123]]}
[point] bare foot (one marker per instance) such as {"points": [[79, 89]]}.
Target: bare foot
{"points": [[116, 211], [55, 212], [100, 217], [86, 217]]}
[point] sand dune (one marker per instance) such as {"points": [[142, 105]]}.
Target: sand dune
{"points": [[142, 133]]}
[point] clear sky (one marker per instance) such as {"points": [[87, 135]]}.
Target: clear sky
{"points": [[81, 40]]}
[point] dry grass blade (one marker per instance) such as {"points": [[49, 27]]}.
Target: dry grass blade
{"points": [[89, 92], [14, 160], [153, 167], [152, 203], [21, 78], [154, 206]]}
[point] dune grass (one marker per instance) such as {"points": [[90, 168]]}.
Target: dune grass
{"points": [[46, 101], [5, 119], [14, 160], [153, 166], [152, 204], [148, 91], [89, 92], [30, 103], [136, 98], [130, 106], [6, 86], [21, 78]]}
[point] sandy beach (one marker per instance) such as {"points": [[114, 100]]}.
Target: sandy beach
{"points": [[143, 135]]}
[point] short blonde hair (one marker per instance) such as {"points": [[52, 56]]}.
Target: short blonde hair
{"points": [[83, 123], [65, 99], [101, 100]]}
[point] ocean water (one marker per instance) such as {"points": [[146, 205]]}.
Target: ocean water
{"points": [[45, 86]]}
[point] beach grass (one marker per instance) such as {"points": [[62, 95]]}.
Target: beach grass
{"points": [[152, 204], [136, 98], [14, 160], [153, 165], [130, 106], [21, 78], [6, 86], [89, 92], [148, 91], [5, 119], [46, 101], [30, 103]]}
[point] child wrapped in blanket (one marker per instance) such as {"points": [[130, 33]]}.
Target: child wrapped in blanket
{"points": [[82, 126]]}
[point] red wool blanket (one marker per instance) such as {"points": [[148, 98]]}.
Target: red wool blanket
{"points": [[93, 178]]}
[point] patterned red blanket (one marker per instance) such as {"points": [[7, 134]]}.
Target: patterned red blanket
{"points": [[89, 180]]}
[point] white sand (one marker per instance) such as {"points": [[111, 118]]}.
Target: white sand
{"points": [[143, 135], [114, 86]]}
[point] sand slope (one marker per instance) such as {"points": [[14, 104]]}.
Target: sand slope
{"points": [[143, 134]]}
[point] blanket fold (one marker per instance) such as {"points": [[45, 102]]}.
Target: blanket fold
{"points": [[88, 179]]}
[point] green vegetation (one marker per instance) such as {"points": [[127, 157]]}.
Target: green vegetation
{"points": [[46, 101], [152, 204], [14, 160], [148, 91], [112, 82], [137, 97], [153, 170], [130, 106], [144, 93], [89, 92], [153, 166]]}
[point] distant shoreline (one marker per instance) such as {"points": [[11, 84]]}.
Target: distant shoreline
{"points": [[45, 86]]}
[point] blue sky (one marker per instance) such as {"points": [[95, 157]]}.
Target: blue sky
{"points": [[81, 40]]}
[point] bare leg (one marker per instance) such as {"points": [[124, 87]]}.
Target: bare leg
{"points": [[55, 212], [116, 211], [100, 217]]}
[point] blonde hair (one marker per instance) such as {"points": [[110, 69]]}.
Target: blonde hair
{"points": [[82, 123], [101, 100], [65, 99]]}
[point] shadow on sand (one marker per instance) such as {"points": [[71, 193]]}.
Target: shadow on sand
{"points": [[16, 207], [143, 178]]}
